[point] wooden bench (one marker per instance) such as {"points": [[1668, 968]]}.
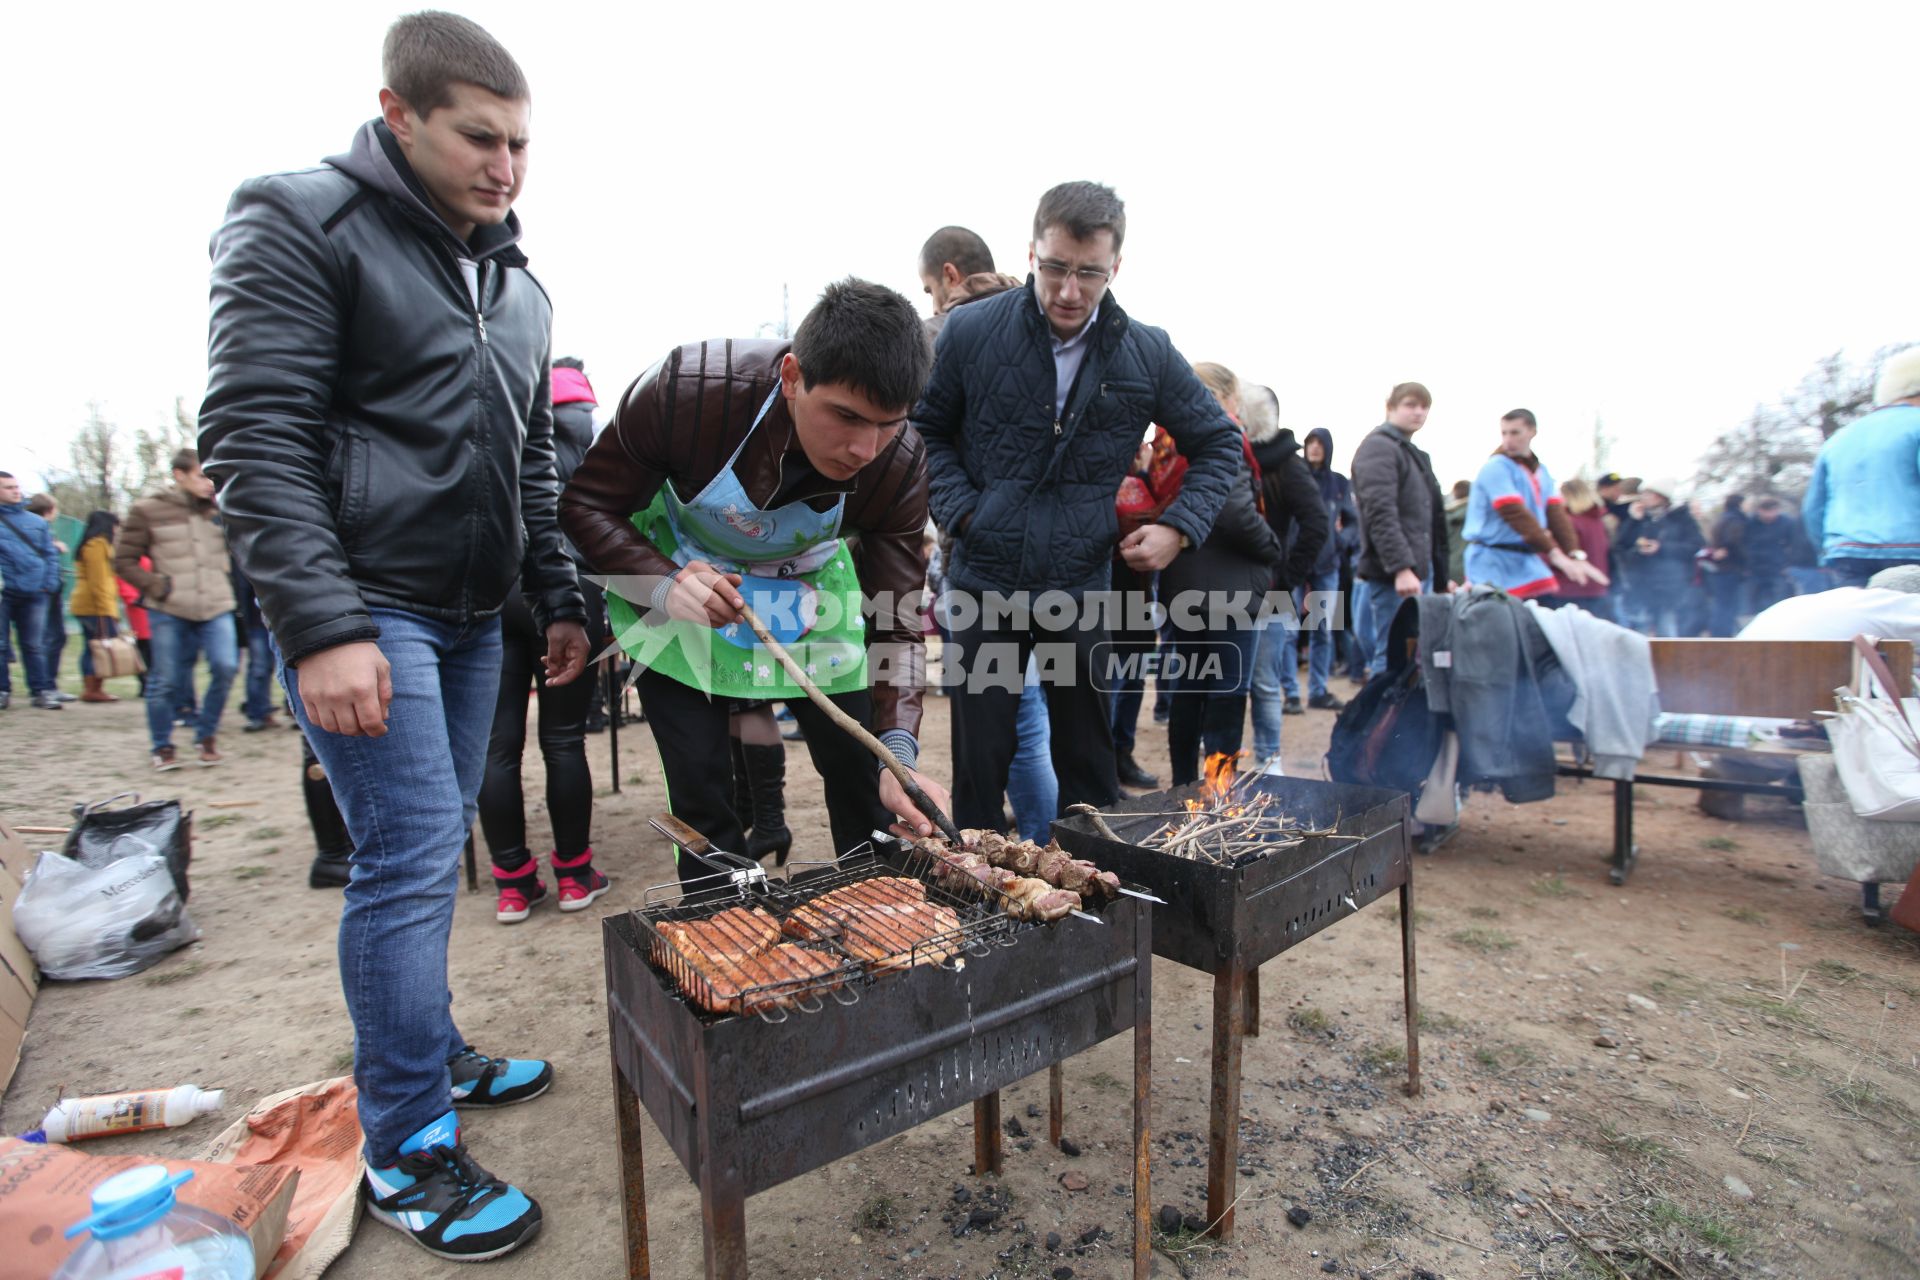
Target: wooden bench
{"points": [[1775, 679]]}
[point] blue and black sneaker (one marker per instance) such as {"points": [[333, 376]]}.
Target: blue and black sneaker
{"points": [[447, 1204], [480, 1081]]}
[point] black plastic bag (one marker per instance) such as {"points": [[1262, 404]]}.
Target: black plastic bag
{"points": [[101, 836]]}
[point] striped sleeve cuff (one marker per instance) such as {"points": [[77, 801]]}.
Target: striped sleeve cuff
{"points": [[658, 601], [904, 746]]}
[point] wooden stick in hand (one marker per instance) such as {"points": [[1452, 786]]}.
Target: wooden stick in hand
{"points": [[859, 731]]}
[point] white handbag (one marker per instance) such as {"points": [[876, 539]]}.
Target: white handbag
{"points": [[1875, 745]]}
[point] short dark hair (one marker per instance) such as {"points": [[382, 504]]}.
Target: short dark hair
{"points": [[429, 52], [868, 337], [41, 503], [1413, 390], [1461, 488], [963, 248], [1521, 415], [570, 362], [6, 475], [186, 459], [1081, 209]]}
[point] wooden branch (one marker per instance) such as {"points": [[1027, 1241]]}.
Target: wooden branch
{"points": [[859, 731]]}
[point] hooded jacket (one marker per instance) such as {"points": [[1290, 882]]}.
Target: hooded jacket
{"points": [[1294, 508], [377, 412], [1668, 572], [1029, 493], [1336, 495], [29, 562]]}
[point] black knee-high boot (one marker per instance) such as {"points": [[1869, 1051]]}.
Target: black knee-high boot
{"points": [[767, 783], [742, 789], [334, 847]]}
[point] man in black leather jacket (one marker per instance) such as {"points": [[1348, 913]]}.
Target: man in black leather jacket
{"points": [[378, 420]]}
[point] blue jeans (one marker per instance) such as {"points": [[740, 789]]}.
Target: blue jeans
{"points": [[258, 703], [1031, 787], [25, 616], [409, 799], [168, 678], [1319, 640], [1374, 604], [1274, 639]]}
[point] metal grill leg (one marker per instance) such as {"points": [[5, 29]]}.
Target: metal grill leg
{"points": [[1223, 1122], [633, 1181], [1056, 1103], [1410, 975], [986, 1135], [1142, 1093], [723, 1194], [1624, 852], [1253, 1002]]}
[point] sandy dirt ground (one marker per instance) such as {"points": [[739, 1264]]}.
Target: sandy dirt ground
{"points": [[1754, 1112]]}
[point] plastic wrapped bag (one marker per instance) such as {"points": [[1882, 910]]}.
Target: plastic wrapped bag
{"points": [[102, 836], [101, 922]]}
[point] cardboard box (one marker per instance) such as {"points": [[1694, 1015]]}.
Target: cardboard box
{"points": [[44, 1189], [19, 977]]}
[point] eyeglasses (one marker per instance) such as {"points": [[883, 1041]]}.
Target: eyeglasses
{"points": [[1089, 277]]}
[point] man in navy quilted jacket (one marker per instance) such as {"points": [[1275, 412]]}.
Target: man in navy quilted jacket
{"points": [[1039, 400]]}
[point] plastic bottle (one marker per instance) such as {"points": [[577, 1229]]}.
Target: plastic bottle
{"points": [[76, 1119], [140, 1230]]}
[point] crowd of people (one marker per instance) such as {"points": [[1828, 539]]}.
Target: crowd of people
{"points": [[404, 504]]}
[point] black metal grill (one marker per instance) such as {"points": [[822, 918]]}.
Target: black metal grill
{"points": [[749, 1102], [862, 948], [1229, 918]]}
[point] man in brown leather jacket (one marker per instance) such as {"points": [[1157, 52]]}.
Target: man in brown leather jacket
{"points": [[736, 471]]}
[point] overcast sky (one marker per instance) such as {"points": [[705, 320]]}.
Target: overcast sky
{"points": [[1655, 215]]}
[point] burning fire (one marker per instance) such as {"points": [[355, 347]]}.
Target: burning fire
{"points": [[1216, 778]]}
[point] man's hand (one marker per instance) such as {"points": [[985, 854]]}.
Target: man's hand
{"points": [[1647, 546], [566, 653], [1578, 572], [1151, 547], [703, 595], [911, 822], [1406, 583], [347, 689]]}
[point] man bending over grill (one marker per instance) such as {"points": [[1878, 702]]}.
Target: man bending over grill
{"points": [[740, 472]]}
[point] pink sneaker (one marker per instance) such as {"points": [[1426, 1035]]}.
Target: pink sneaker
{"points": [[518, 894], [578, 882]]}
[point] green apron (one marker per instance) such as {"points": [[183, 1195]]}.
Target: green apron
{"points": [[795, 572]]}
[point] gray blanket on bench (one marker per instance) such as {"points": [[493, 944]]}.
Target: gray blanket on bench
{"points": [[1613, 669]]}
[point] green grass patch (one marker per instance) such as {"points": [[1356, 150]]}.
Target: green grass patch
{"points": [[343, 1062], [1554, 886], [1484, 913], [1713, 1232], [1502, 1059], [1485, 941], [1675, 985], [215, 820], [1381, 1057], [1439, 1022], [1311, 1020], [880, 1213], [1483, 1180], [1618, 1141], [193, 1012], [1864, 1100], [1792, 1012], [249, 872], [269, 833], [1103, 1080], [1745, 915], [1720, 844], [267, 852], [178, 973]]}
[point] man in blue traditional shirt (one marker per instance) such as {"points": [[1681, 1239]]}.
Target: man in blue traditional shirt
{"points": [[1517, 529]]}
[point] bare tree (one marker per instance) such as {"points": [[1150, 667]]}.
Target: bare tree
{"points": [[154, 448], [97, 477], [1772, 452]]}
